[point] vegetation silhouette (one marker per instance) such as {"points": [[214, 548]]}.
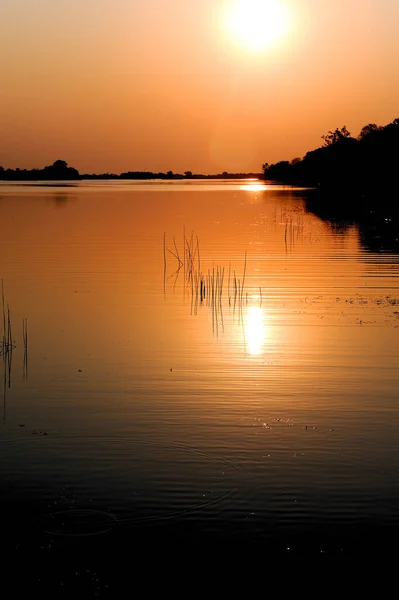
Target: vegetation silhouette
{"points": [[360, 167], [187, 175], [354, 180], [60, 171]]}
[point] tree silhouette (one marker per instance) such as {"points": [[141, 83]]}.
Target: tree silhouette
{"points": [[367, 129], [60, 164], [362, 169], [60, 170], [333, 137]]}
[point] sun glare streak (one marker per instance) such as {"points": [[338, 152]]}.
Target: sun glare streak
{"points": [[256, 25], [255, 330], [253, 187]]}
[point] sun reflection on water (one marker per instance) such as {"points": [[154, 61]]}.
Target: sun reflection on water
{"points": [[255, 329], [254, 187]]}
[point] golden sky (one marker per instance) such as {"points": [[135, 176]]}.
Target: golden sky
{"points": [[204, 85]]}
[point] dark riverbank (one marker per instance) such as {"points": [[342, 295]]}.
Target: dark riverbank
{"points": [[355, 181], [347, 169]]}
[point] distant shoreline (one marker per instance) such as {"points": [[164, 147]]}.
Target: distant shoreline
{"points": [[60, 171]]}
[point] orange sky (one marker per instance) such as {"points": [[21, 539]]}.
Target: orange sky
{"points": [[159, 85]]}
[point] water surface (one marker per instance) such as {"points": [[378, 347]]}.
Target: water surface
{"points": [[260, 409]]}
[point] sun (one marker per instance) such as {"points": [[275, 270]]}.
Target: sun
{"points": [[256, 25]]}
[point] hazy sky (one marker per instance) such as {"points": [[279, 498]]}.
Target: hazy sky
{"points": [[115, 85]]}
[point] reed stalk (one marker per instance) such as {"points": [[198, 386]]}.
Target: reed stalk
{"points": [[228, 284], [25, 341], [164, 263], [4, 315], [177, 252], [243, 277]]}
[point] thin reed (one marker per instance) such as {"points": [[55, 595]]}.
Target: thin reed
{"points": [[25, 341]]}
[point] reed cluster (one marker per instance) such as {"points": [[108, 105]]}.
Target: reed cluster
{"points": [[7, 345], [6, 349], [6, 342], [205, 286]]}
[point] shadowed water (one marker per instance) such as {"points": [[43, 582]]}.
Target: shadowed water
{"points": [[258, 407]]}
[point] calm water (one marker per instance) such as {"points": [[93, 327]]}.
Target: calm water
{"points": [[259, 407]]}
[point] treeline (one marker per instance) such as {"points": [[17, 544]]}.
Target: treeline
{"points": [[186, 175], [56, 171], [365, 165], [61, 171]]}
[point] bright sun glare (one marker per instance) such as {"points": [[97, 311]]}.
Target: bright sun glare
{"points": [[256, 25], [255, 330]]}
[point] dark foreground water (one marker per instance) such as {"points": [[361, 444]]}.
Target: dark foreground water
{"points": [[207, 366]]}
